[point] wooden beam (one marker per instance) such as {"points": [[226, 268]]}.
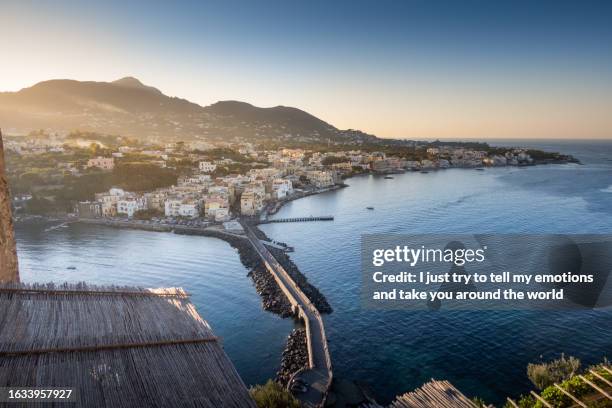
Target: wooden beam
{"points": [[576, 400], [68, 292], [109, 347], [512, 402], [601, 391], [607, 369], [542, 400], [9, 271], [601, 377]]}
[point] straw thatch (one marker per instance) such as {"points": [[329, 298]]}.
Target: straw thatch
{"points": [[440, 394], [117, 346]]}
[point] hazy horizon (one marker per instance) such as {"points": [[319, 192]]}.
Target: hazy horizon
{"points": [[415, 70]]}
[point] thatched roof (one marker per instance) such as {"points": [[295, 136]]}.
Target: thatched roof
{"points": [[439, 394], [118, 346]]}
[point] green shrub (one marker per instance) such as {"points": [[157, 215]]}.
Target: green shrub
{"points": [[272, 395], [555, 397], [576, 387], [526, 401], [545, 374]]}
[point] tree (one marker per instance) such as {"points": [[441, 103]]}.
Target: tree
{"points": [[272, 395], [329, 160]]}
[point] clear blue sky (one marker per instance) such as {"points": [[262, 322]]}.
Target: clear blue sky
{"points": [[395, 68]]}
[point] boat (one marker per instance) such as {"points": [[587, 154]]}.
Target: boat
{"points": [[71, 268], [370, 208], [479, 169], [424, 171], [389, 177]]}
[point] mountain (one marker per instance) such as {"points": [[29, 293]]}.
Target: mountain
{"points": [[130, 108], [131, 82]]}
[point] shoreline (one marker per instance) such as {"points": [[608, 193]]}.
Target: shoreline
{"points": [[280, 204]]}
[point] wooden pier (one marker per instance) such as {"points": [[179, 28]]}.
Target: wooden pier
{"points": [[298, 219]]}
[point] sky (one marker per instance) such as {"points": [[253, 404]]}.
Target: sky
{"points": [[404, 68]]}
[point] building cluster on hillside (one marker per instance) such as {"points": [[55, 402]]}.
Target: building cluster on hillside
{"points": [[246, 179], [213, 198]]}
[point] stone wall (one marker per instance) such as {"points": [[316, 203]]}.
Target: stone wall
{"points": [[8, 254]]}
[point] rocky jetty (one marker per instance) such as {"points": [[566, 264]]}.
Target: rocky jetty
{"points": [[315, 296], [272, 298], [295, 356]]}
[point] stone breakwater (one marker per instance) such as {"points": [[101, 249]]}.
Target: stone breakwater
{"points": [[315, 296], [272, 298], [295, 356]]}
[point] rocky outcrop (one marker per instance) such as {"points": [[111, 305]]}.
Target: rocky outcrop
{"points": [[295, 356]]}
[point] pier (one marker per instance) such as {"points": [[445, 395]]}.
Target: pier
{"points": [[319, 373], [299, 219]]}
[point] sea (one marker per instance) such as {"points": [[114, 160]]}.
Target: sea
{"points": [[483, 353]]}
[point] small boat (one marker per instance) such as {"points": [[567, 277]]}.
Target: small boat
{"points": [[479, 169], [71, 268], [370, 208], [389, 177], [424, 171]]}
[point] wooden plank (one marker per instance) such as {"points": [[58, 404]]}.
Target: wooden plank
{"points": [[512, 402], [576, 400], [600, 377], [601, 391], [60, 292], [542, 400], [108, 347], [607, 369]]}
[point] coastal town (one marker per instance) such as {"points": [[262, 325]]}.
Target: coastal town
{"points": [[198, 183], [223, 190]]}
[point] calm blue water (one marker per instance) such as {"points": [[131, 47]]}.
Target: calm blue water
{"points": [[482, 353]]}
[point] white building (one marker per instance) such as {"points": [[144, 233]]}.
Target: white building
{"points": [[129, 205], [189, 209], [171, 207], [281, 188], [109, 201], [207, 167], [320, 179]]}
